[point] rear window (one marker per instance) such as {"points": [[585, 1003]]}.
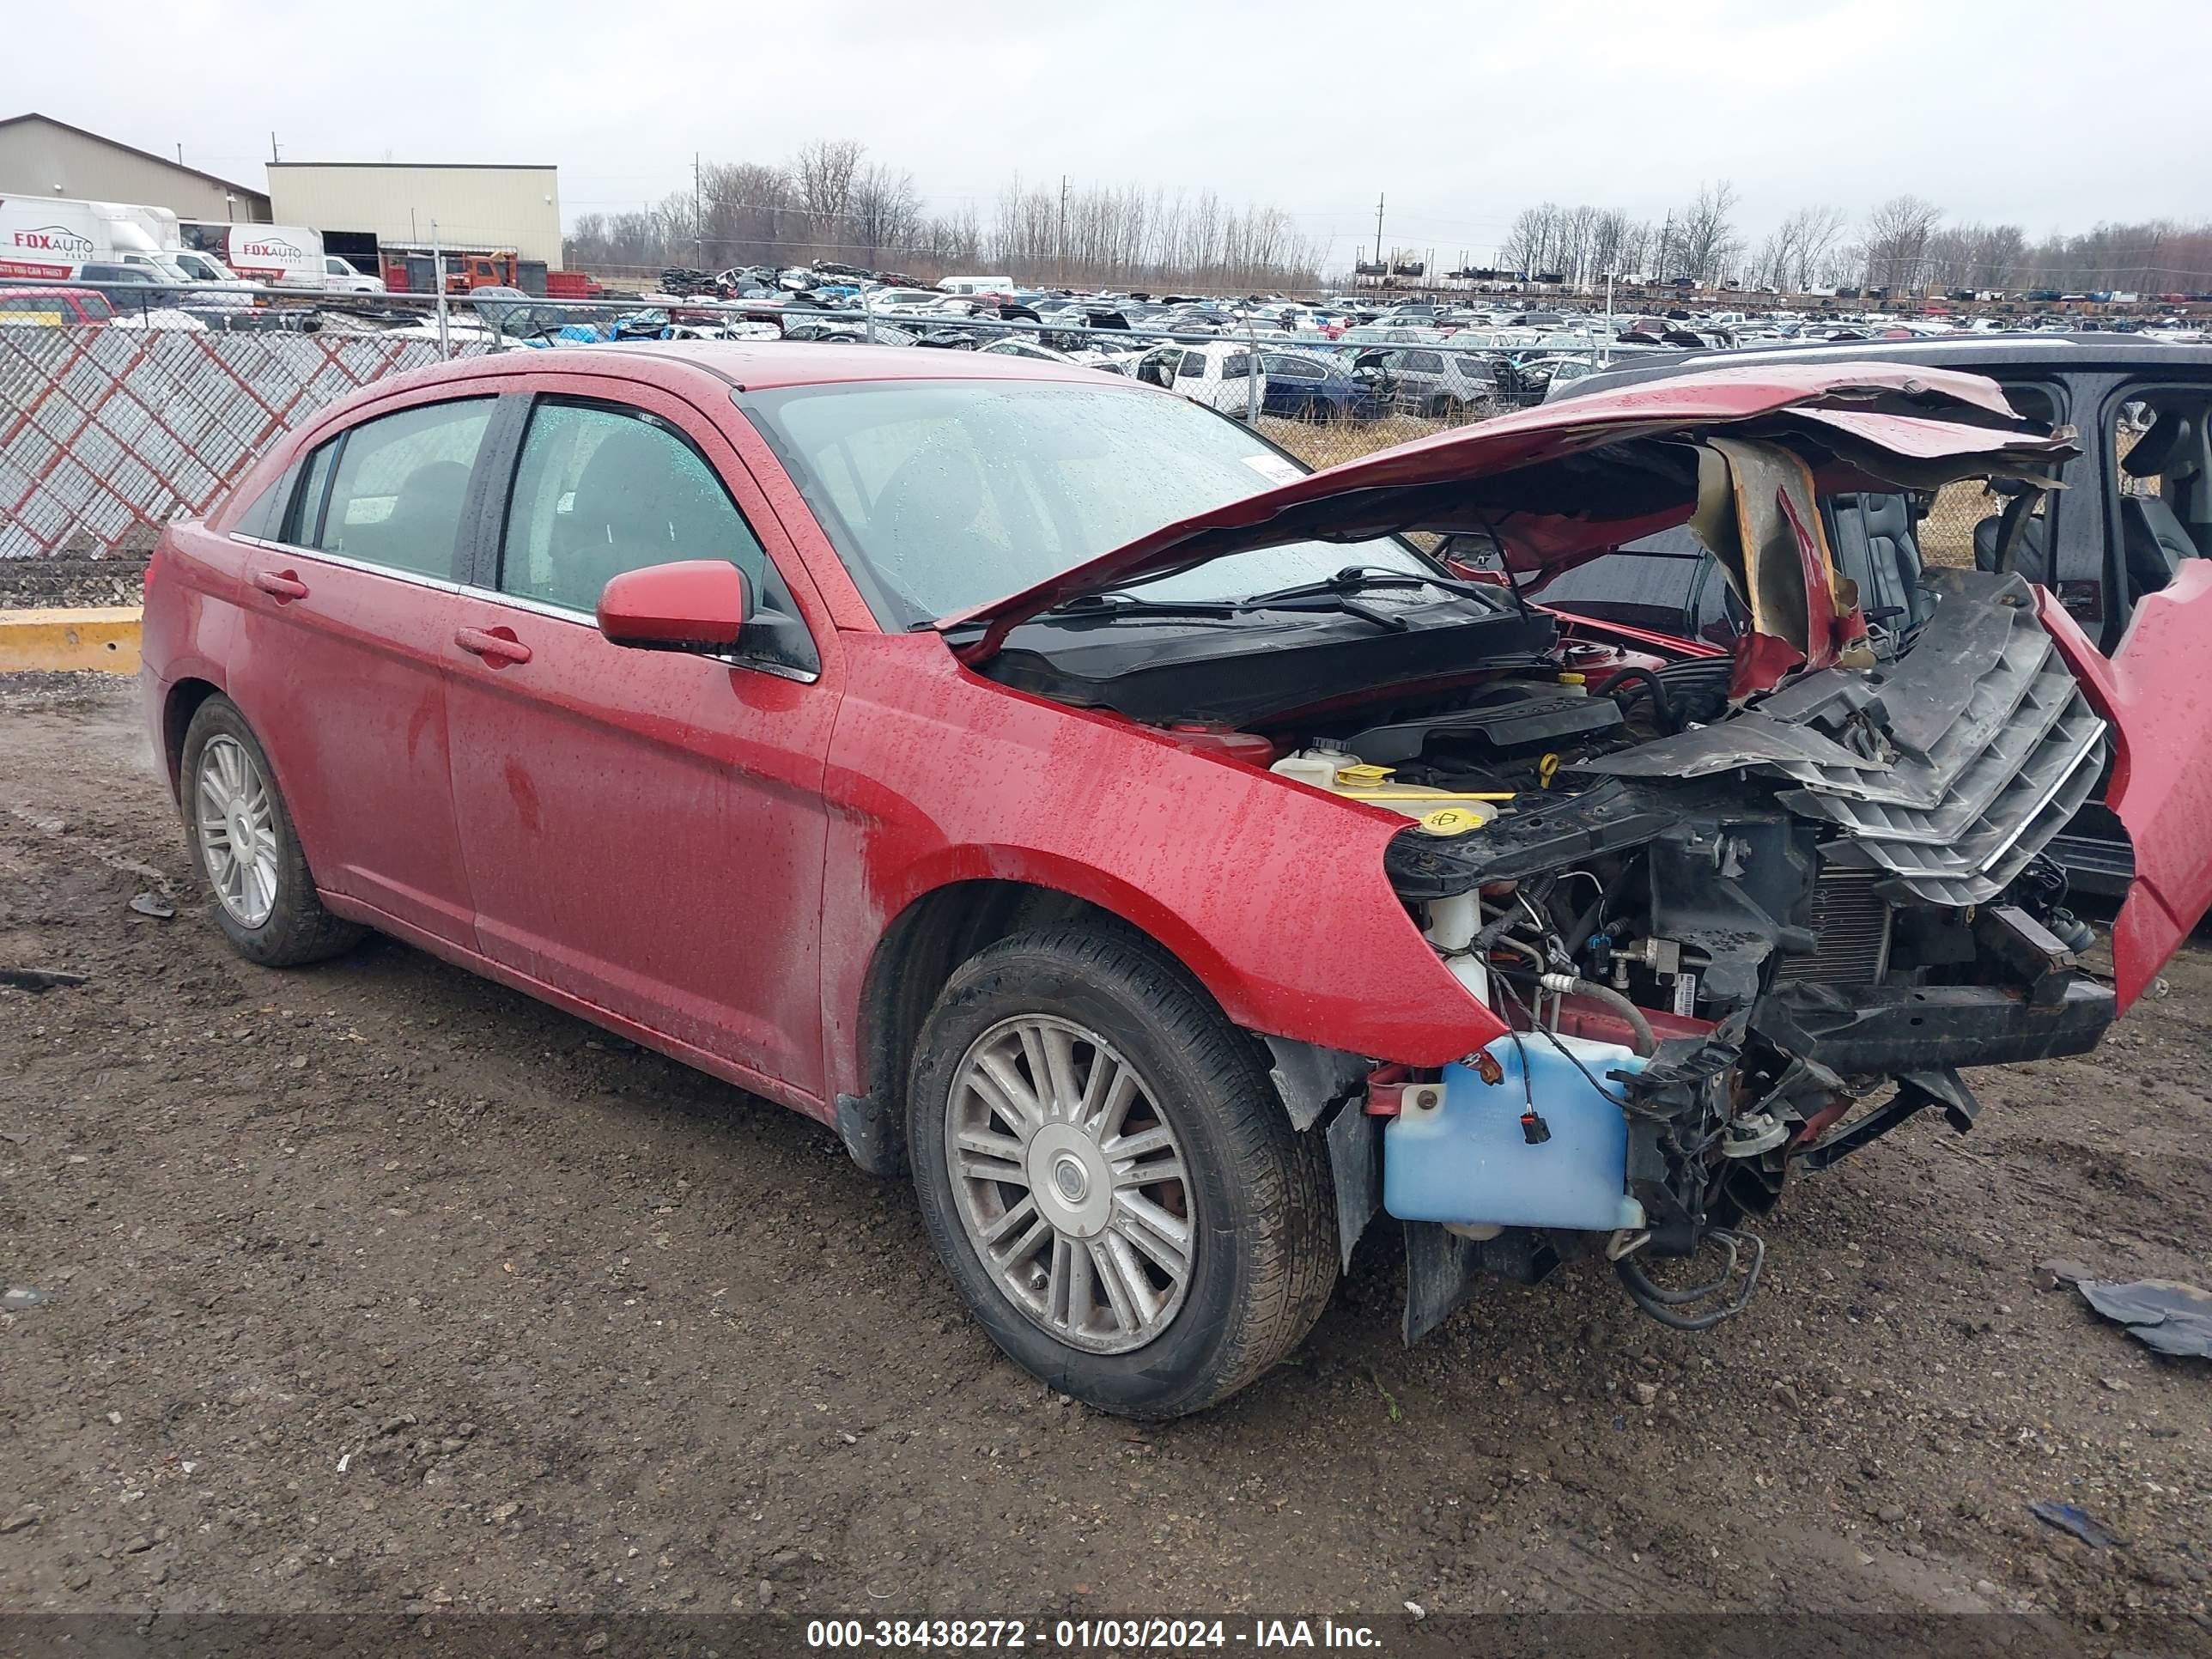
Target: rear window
{"points": [[401, 485], [51, 310], [264, 519]]}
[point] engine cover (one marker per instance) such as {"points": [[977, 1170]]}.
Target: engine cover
{"points": [[1511, 720]]}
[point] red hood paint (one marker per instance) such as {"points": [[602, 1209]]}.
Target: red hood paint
{"points": [[1923, 417]]}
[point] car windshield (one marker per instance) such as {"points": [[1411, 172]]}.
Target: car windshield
{"points": [[941, 496]]}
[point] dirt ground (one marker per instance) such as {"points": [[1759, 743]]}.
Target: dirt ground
{"points": [[374, 1286]]}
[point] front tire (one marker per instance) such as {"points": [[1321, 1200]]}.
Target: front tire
{"points": [[244, 849], [1107, 1173]]}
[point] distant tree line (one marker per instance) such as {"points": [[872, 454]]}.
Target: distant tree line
{"points": [[1902, 244], [830, 202]]}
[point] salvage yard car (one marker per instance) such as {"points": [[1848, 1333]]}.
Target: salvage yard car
{"points": [[1041, 781]]}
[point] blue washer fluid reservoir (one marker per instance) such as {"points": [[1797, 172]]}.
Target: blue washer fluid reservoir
{"points": [[1467, 1160]]}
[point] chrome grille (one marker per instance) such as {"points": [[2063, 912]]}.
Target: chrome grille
{"points": [[1945, 772]]}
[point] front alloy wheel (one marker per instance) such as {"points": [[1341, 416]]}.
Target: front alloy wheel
{"points": [[1070, 1184], [1109, 1174]]}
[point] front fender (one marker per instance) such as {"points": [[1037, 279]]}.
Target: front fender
{"points": [[1271, 894]]}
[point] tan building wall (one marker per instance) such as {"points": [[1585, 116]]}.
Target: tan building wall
{"points": [[44, 157], [473, 208]]}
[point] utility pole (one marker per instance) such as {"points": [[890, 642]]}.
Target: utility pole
{"points": [[698, 220], [272, 146], [1666, 241], [438, 276], [180, 152], [1378, 227], [1063, 230]]}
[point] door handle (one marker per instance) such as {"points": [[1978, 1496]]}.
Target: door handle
{"points": [[496, 645], [284, 584]]}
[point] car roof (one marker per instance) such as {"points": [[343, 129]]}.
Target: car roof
{"points": [[10, 290], [735, 366], [1975, 352]]}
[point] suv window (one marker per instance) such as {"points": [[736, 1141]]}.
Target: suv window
{"points": [[1194, 365], [400, 485], [1236, 367], [1425, 362], [600, 491]]}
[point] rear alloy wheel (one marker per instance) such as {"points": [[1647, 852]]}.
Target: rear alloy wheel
{"points": [[243, 846], [1109, 1174]]}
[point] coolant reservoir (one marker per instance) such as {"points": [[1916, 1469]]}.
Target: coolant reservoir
{"points": [[1312, 766], [1344, 774], [1377, 784]]}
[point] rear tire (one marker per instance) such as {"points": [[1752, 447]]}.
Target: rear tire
{"points": [[1248, 1196], [244, 849]]}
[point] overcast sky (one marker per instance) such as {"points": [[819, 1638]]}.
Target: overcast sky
{"points": [[2050, 114]]}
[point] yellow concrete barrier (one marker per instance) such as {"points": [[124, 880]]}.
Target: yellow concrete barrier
{"points": [[105, 637]]}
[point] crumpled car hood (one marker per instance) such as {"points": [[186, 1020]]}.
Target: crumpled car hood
{"points": [[1531, 478]]}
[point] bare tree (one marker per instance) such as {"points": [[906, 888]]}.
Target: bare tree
{"points": [[1895, 240], [750, 211], [885, 212], [1705, 240], [823, 172], [1814, 231]]}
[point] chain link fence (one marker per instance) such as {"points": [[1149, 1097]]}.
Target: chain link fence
{"points": [[107, 434]]}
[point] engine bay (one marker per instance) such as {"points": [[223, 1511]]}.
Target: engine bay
{"points": [[1726, 940]]}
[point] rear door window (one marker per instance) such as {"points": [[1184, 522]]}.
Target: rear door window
{"points": [[401, 486]]}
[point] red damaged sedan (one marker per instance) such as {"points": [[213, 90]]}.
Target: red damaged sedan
{"points": [[1039, 779]]}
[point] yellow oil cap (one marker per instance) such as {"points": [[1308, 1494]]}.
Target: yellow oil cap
{"points": [[1363, 776], [1574, 679], [1452, 821]]}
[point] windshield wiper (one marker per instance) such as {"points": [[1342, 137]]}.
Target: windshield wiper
{"points": [[1341, 589], [1118, 604], [1366, 578]]}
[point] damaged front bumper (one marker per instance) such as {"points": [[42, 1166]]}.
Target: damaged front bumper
{"points": [[1831, 906]]}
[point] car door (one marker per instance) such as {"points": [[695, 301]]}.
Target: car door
{"points": [[644, 829], [346, 642]]}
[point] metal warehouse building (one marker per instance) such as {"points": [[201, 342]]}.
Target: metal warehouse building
{"points": [[39, 156], [476, 209]]}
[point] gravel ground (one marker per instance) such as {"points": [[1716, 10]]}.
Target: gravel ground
{"points": [[374, 1287], [57, 583]]}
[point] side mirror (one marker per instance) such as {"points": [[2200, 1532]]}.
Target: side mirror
{"points": [[693, 604]]}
